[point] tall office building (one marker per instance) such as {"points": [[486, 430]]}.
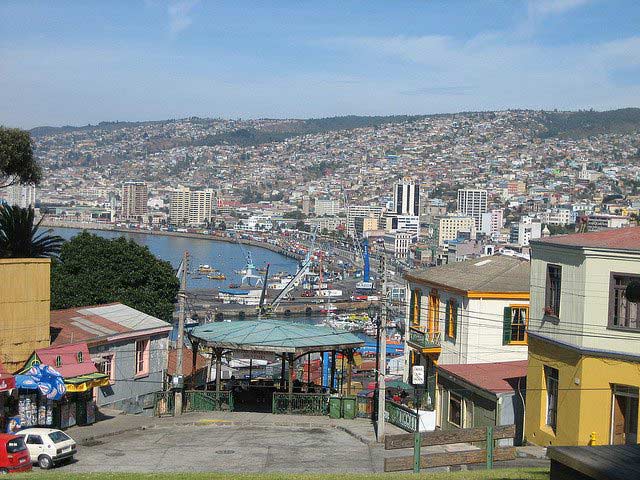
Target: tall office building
{"points": [[473, 203], [355, 211], [21, 195], [134, 200], [191, 207], [325, 206], [406, 198]]}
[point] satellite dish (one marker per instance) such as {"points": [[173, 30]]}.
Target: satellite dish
{"points": [[633, 291]]}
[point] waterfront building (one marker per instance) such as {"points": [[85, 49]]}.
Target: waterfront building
{"points": [[364, 211], [404, 223], [583, 379], [191, 207], [23, 196], [134, 201], [473, 203]]}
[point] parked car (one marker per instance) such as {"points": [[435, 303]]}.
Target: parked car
{"points": [[14, 456], [47, 446]]}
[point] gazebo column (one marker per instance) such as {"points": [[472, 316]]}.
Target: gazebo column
{"points": [[282, 370], [194, 366], [349, 355], [218, 352], [333, 370], [290, 373]]}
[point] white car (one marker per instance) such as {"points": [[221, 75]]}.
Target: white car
{"points": [[48, 446]]}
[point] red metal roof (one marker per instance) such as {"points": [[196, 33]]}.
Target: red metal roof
{"points": [[71, 366], [627, 238], [499, 377]]}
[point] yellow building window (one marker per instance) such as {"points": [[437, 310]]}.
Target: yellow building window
{"points": [[434, 311], [451, 319], [414, 310]]}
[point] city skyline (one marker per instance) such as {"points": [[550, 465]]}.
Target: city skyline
{"points": [[153, 60]]}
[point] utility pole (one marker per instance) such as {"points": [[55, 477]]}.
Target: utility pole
{"points": [[182, 294], [382, 350]]}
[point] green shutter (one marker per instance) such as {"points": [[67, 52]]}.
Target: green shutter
{"points": [[506, 326], [447, 310], [413, 296]]}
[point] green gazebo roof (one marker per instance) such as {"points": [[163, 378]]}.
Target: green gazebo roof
{"points": [[274, 336]]}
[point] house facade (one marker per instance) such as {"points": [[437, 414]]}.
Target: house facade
{"points": [[129, 346], [583, 377], [469, 312]]}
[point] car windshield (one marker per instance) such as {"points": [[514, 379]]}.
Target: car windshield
{"points": [[16, 445], [58, 437]]}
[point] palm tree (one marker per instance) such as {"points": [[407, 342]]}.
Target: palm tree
{"points": [[19, 237]]}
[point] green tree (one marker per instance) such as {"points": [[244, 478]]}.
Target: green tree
{"points": [[93, 270], [17, 164], [19, 236]]}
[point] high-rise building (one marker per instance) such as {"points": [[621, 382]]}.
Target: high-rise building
{"points": [[21, 195], [360, 211], [473, 203], [191, 207], [306, 205], [325, 206], [406, 198], [404, 223], [451, 226], [525, 230], [134, 201], [492, 222]]}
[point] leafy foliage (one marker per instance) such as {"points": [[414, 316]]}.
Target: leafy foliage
{"points": [[94, 270], [588, 123], [19, 236], [16, 157]]}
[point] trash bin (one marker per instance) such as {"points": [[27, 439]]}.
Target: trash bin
{"points": [[335, 407], [349, 407]]}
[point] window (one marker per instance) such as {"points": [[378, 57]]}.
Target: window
{"points": [[451, 319], [455, 409], [105, 365], [34, 440], [434, 311], [142, 357], [514, 329], [552, 295], [59, 437], [58, 361], [622, 312], [80, 357], [414, 313], [551, 382], [16, 445]]}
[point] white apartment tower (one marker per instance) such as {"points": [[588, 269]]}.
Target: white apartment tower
{"points": [[21, 195], [134, 200], [406, 198], [190, 207], [473, 203]]}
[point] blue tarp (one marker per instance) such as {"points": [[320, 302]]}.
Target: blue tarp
{"points": [[44, 378]]}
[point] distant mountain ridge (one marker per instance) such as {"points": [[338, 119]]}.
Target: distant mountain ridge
{"points": [[566, 124]]}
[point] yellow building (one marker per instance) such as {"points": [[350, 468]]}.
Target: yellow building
{"points": [[583, 376], [24, 309]]}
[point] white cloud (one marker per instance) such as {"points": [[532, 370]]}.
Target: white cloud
{"points": [[180, 15], [554, 7]]}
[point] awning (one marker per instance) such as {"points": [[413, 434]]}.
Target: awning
{"points": [[82, 383], [44, 378]]}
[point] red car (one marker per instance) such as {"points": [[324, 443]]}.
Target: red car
{"points": [[14, 456]]}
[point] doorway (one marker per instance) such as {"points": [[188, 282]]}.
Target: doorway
{"points": [[624, 415]]}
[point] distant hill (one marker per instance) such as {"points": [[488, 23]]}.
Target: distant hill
{"points": [[588, 123]]}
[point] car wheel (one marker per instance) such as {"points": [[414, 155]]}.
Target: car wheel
{"points": [[45, 462]]}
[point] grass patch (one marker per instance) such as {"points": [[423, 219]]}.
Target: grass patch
{"points": [[497, 474]]}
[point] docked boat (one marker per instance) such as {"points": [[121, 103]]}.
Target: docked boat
{"points": [[234, 285], [204, 268], [216, 276], [328, 308]]}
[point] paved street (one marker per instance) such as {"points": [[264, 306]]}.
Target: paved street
{"points": [[222, 447]]}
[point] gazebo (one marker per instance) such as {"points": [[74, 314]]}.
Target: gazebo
{"points": [[289, 340]]}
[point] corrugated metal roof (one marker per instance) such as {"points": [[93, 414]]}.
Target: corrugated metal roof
{"points": [[499, 377], [126, 316], [616, 238], [497, 273], [274, 335]]}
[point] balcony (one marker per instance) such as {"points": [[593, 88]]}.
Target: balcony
{"points": [[424, 340]]}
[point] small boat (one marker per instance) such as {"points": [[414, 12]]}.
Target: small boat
{"points": [[234, 285], [216, 276], [329, 308], [204, 268], [196, 276]]}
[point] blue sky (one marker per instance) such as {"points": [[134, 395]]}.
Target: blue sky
{"points": [[78, 62]]}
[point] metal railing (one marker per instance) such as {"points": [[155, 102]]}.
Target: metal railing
{"points": [[207, 401], [163, 404], [401, 416], [300, 403], [420, 337]]}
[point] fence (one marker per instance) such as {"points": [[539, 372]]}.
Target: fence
{"points": [[401, 416], [192, 401], [207, 401], [300, 403], [446, 437]]}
